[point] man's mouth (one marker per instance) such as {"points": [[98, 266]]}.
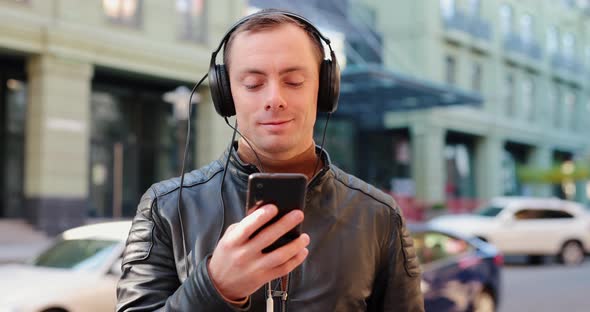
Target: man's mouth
{"points": [[275, 122]]}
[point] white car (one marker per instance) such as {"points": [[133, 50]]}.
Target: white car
{"points": [[528, 226], [78, 272]]}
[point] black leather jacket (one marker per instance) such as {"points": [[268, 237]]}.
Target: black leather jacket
{"points": [[361, 257]]}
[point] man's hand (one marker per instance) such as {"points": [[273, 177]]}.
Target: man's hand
{"points": [[238, 267]]}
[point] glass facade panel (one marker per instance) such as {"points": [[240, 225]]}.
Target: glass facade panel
{"points": [[125, 12], [528, 98], [340, 141], [447, 8], [460, 176], [450, 70], [192, 19], [136, 140], [509, 94], [13, 103], [526, 27], [506, 19], [477, 77], [552, 39]]}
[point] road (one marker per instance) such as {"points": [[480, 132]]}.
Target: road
{"points": [[550, 287]]}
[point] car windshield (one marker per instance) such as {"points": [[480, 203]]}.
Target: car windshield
{"points": [[77, 254], [489, 211]]}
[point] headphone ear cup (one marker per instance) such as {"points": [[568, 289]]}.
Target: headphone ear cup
{"points": [[329, 87], [221, 91]]}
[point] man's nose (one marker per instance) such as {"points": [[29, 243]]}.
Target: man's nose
{"points": [[275, 99]]}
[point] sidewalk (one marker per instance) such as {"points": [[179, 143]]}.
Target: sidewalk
{"points": [[19, 242]]}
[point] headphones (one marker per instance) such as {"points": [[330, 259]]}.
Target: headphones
{"points": [[329, 80]]}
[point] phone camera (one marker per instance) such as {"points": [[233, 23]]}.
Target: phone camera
{"points": [[259, 186]]}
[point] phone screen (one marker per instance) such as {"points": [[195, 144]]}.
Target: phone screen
{"points": [[285, 190]]}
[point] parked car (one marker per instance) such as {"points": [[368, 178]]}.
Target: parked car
{"points": [[528, 226], [460, 273], [78, 272]]}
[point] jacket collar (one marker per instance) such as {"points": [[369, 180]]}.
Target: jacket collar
{"points": [[243, 170]]}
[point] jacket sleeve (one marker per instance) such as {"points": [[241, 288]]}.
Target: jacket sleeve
{"points": [[398, 287], [150, 281]]}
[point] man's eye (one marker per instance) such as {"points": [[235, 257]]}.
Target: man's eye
{"points": [[252, 86], [295, 84]]}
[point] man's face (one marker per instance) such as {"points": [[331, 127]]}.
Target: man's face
{"points": [[274, 76]]}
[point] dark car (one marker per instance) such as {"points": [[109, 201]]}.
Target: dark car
{"points": [[459, 273]]}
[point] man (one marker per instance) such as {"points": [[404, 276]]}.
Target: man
{"points": [[354, 254]]}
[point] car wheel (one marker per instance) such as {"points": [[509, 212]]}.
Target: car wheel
{"points": [[484, 302], [571, 253]]}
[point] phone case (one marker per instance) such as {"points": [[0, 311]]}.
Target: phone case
{"points": [[285, 190]]}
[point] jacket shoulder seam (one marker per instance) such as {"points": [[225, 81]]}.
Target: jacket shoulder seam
{"points": [[394, 208], [192, 184]]}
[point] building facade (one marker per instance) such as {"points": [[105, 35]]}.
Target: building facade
{"points": [[530, 61], [93, 98]]}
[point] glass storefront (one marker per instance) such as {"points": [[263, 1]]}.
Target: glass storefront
{"points": [[340, 141], [514, 155], [13, 102], [136, 140], [460, 167]]}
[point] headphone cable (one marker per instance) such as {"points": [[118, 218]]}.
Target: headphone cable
{"points": [[322, 145], [186, 146], [260, 167]]}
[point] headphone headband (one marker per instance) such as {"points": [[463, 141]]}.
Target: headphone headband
{"points": [[298, 17]]}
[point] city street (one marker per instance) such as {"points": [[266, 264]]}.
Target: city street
{"points": [[550, 287]]}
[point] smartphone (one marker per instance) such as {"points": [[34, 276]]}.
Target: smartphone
{"points": [[284, 190]]}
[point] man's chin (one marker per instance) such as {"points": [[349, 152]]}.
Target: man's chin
{"points": [[278, 148]]}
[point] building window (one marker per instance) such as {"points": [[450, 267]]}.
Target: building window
{"points": [[193, 20], [13, 107], [475, 7], [450, 70], [124, 12], [557, 106], [528, 97], [553, 39], [477, 77], [526, 28], [506, 17], [509, 94], [460, 175], [448, 8], [569, 45], [570, 109]]}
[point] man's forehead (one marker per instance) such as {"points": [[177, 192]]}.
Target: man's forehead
{"points": [[290, 50]]}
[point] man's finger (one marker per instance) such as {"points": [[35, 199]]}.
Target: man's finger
{"points": [[289, 265], [274, 231], [245, 228], [283, 254]]}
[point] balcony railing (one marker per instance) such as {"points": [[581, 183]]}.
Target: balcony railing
{"points": [[530, 48], [567, 63], [472, 25], [480, 28], [457, 21]]}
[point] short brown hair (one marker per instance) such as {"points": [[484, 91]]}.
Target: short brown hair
{"points": [[269, 19]]}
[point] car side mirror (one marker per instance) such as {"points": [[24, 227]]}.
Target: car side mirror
{"points": [[116, 268]]}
